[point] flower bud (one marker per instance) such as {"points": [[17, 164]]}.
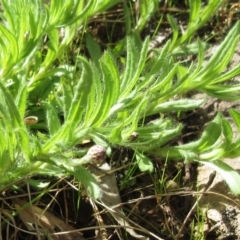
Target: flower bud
{"points": [[96, 155], [172, 185]]}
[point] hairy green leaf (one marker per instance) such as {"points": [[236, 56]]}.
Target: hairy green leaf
{"points": [[178, 105], [231, 176], [53, 122]]}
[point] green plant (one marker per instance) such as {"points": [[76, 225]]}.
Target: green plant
{"points": [[197, 228], [30, 50], [96, 100], [198, 16]]}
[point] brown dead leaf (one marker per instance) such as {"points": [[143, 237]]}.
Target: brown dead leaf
{"points": [[46, 221]]}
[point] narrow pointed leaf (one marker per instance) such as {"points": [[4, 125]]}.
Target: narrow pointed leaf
{"points": [[179, 105], [82, 91], [108, 96], [13, 111], [21, 101], [93, 49], [23, 140], [53, 122], [227, 131]]}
